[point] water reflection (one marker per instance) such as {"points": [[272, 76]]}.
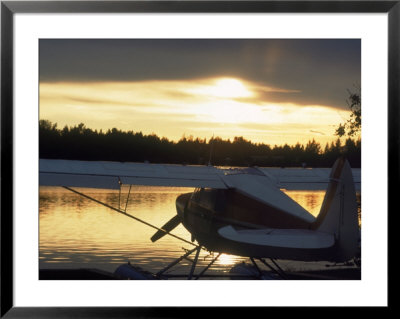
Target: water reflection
{"points": [[312, 201], [78, 233]]}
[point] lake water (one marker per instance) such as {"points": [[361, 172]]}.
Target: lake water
{"points": [[75, 232]]}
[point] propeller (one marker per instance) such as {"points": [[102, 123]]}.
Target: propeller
{"points": [[170, 225]]}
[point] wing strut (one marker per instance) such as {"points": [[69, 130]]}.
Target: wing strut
{"points": [[128, 215]]}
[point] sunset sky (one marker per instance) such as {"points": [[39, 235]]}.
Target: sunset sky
{"points": [[270, 91]]}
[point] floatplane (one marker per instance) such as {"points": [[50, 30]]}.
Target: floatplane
{"points": [[238, 211]]}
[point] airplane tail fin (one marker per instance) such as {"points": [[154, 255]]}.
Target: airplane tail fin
{"points": [[338, 214]]}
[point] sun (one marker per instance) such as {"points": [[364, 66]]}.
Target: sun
{"points": [[230, 88], [217, 101], [226, 88]]}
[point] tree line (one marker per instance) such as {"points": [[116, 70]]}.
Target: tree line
{"points": [[81, 143]]}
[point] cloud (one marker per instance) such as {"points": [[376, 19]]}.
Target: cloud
{"points": [[314, 71], [201, 107]]}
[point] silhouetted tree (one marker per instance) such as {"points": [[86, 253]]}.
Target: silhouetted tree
{"points": [[353, 125]]}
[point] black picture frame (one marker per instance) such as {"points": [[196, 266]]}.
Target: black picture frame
{"points": [[9, 8]]}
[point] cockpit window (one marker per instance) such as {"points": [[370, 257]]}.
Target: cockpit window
{"points": [[209, 198]]}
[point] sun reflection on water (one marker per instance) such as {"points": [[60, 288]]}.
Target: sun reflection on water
{"points": [[227, 260]]}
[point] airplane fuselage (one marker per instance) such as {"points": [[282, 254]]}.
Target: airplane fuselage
{"points": [[205, 211]]}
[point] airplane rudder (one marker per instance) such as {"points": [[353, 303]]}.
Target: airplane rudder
{"points": [[338, 214]]}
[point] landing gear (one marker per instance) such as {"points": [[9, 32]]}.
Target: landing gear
{"points": [[191, 276], [194, 263], [160, 273]]}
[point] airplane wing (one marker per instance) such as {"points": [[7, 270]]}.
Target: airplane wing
{"points": [[99, 174], [294, 244], [111, 175], [282, 238]]}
